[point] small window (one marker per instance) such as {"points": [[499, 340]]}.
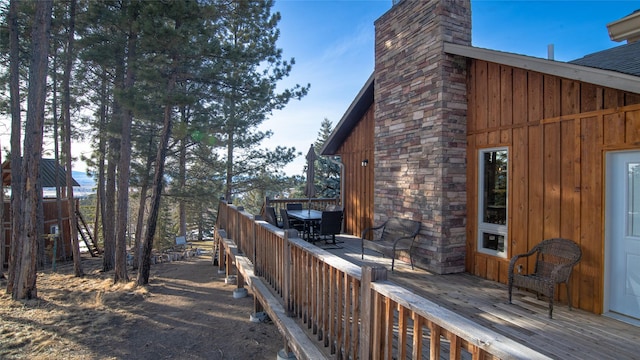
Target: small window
{"points": [[492, 201]]}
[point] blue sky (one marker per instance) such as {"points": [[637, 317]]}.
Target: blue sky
{"points": [[333, 44]]}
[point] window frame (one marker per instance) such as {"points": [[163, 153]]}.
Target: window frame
{"points": [[491, 228]]}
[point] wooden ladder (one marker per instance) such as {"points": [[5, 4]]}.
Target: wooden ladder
{"points": [[84, 232]]}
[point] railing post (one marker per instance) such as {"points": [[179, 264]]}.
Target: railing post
{"points": [[221, 234], [238, 229], [254, 234], [369, 275], [286, 271], [228, 261]]}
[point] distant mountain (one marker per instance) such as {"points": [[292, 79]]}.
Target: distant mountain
{"points": [[82, 179], [87, 184]]}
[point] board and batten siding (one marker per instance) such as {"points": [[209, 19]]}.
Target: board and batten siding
{"points": [[557, 132], [50, 212], [358, 180]]}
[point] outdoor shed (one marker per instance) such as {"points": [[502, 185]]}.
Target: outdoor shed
{"points": [[50, 212]]}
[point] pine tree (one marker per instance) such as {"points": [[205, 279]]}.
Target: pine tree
{"points": [[252, 67], [327, 168], [174, 45], [102, 44]]}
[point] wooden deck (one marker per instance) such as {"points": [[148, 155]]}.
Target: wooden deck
{"points": [[574, 334]]}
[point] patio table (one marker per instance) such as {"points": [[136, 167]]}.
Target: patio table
{"points": [[309, 218]]}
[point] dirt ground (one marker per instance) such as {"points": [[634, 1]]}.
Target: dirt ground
{"points": [[187, 312]]}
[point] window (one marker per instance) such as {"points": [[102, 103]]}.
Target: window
{"points": [[492, 201]]}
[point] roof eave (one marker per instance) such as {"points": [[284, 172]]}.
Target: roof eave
{"points": [[607, 78], [627, 28], [358, 107]]}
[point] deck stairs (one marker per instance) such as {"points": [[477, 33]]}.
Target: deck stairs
{"points": [[84, 232]]}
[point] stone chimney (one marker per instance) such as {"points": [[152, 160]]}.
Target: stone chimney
{"points": [[420, 126], [627, 28]]}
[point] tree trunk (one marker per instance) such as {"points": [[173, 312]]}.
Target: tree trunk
{"points": [[147, 245], [124, 168], [228, 188], [182, 176], [73, 229], [59, 239], [25, 271], [140, 225], [15, 251], [109, 201], [100, 193], [2, 231], [109, 213], [137, 260]]}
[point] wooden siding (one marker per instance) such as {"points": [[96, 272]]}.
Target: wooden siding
{"points": [[358, 180], [557, 132], [50, 219]]}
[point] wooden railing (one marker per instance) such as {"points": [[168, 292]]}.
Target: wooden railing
{"points": [[313, 203], [348, 311]]}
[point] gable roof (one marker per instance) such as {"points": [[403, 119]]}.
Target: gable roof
{"points": [[624, 59], [350, 119], [47, 173]]}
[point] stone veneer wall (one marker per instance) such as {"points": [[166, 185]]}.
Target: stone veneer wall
{"points": [[420, 126]]}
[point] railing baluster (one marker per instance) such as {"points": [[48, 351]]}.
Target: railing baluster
{"points": [[455, 346], [325, 303], [339, 324], [435, 340], [417, 336], [388, 327], [402, 332]]}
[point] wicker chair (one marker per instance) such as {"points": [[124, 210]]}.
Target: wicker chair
{"points": [[555, 259]]}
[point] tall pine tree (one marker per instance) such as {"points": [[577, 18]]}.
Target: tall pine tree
{"points": [[252, 67]]}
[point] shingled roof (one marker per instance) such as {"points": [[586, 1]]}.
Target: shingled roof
{"points": [[47, 173], [623, 59]]}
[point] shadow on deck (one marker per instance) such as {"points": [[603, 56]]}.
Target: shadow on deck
{"points": [[571, 334]]}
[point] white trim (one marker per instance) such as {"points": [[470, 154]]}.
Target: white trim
{"points": [[607, 78], [609, 203], [623, 318], [625, 28], [489, 228]]}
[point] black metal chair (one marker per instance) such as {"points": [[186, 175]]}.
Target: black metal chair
{"points": [[396, 235], [289, 223], [270, 216], [294, 206], [330, 225]]}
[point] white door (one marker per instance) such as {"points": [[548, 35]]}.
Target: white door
{"points": [[623, 232]]}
